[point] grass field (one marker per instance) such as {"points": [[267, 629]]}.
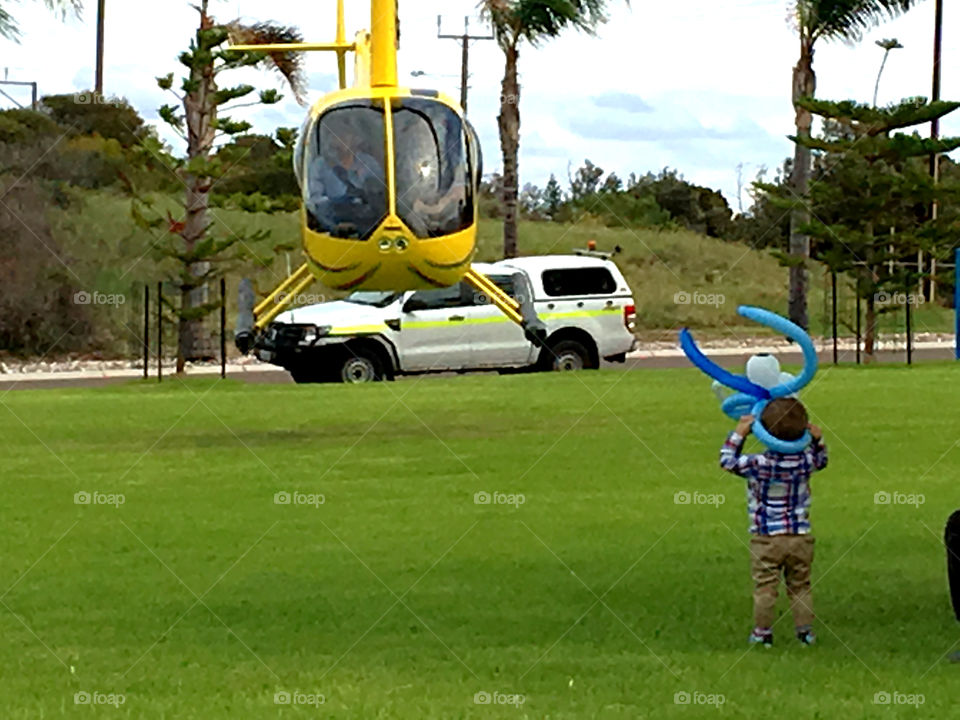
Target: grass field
{"points": [[399, 596]]}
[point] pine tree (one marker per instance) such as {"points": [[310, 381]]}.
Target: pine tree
{"points": [[870, 201], [200, 119], [552, 198]]}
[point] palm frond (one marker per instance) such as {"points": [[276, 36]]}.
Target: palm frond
{"points": [[11, 31], [289, 64], [8, 26], [64, 6], [848, 19], [537, 19]]}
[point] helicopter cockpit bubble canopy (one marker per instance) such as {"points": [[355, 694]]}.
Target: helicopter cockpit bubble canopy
{"points": [[389, 179]]}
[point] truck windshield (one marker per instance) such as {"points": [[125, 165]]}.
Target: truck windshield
{"points": [[373, 299]]}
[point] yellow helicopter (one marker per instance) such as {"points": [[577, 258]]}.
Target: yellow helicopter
{"points": [[390, 179]]}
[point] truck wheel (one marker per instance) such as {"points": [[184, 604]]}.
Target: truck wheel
{"points": [[566, 355], [360, 366]]}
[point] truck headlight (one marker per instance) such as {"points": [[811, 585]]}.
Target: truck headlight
{"points": [[313, 333]]}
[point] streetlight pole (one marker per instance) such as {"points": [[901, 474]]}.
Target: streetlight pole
{"points": [[464, 55], [98, 85]]}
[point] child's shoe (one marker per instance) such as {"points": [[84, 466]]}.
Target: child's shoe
{"points": [[806, 635], [761, 636]]}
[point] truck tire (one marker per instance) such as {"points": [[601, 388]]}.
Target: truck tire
{"points": [[360, 365], [566, 355]]}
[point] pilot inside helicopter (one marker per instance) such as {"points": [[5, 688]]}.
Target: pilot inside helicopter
{"points": [[346, 184], [434, 194]]}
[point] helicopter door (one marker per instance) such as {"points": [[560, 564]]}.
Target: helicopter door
{"points": [[345, 188]]}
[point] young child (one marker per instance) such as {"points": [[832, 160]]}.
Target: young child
{"points": [[778, 499]]}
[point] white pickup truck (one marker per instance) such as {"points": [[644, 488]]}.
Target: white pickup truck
{"points": [[584, 301]]}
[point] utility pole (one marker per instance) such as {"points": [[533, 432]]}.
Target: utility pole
{"points": [[465, 57], [935, 126], [98, 87]]}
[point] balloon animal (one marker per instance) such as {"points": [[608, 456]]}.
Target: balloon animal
{"points": [[763, 380]]}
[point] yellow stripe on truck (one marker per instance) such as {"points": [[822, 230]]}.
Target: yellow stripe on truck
{"points": [[425, 324]]}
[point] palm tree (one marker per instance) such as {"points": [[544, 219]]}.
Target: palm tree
{"points": [[830, 20], [9, 28], [513, 22], [887, 45]]}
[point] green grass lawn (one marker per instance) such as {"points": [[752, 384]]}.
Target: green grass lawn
{"points": [[597, 596]]}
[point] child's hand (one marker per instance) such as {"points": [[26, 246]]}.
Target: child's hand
{"points": [[815, 431], [743, 427]]}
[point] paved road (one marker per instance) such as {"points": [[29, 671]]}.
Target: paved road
{"points": [[277, 376]]}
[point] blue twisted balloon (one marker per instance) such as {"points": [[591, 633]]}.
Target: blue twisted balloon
{"points": [[750, 398]]}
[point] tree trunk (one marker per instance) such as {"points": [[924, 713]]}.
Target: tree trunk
{"points": [[200, 110], [509, 122], [804, 85], [870, 331]]}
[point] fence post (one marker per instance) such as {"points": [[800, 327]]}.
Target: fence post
{"points": [[858, 325], [909, 332], [956, 301], [146, 331], [160, 331], [223, 328], [833, 284]]}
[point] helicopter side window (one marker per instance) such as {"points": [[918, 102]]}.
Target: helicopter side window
{"points": [[346, 182], [433, 168]]}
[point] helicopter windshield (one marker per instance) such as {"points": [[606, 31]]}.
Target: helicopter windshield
{"points": [[345, 193], [433, 185]]}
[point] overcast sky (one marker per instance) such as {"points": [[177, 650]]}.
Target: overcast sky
{"points": [[697, 85]]}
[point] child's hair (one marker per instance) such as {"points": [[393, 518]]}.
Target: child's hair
{"points": [[785, 419]]}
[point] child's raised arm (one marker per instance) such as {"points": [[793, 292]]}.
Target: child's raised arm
{"points": [[731, 458]]}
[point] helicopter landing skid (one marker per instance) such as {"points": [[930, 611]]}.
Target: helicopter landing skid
{"points": [[521, 311], [253, 319]]}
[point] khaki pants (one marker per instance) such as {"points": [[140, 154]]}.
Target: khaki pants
{"points": [[791, 555]]}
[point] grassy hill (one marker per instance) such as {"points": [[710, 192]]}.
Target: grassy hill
{"points": [[662, 266]]}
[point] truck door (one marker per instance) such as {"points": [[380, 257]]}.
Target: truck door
{"points": [[434, 334]]}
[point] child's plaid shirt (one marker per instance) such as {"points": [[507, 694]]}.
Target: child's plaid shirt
{"points": [[778, 485]]}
